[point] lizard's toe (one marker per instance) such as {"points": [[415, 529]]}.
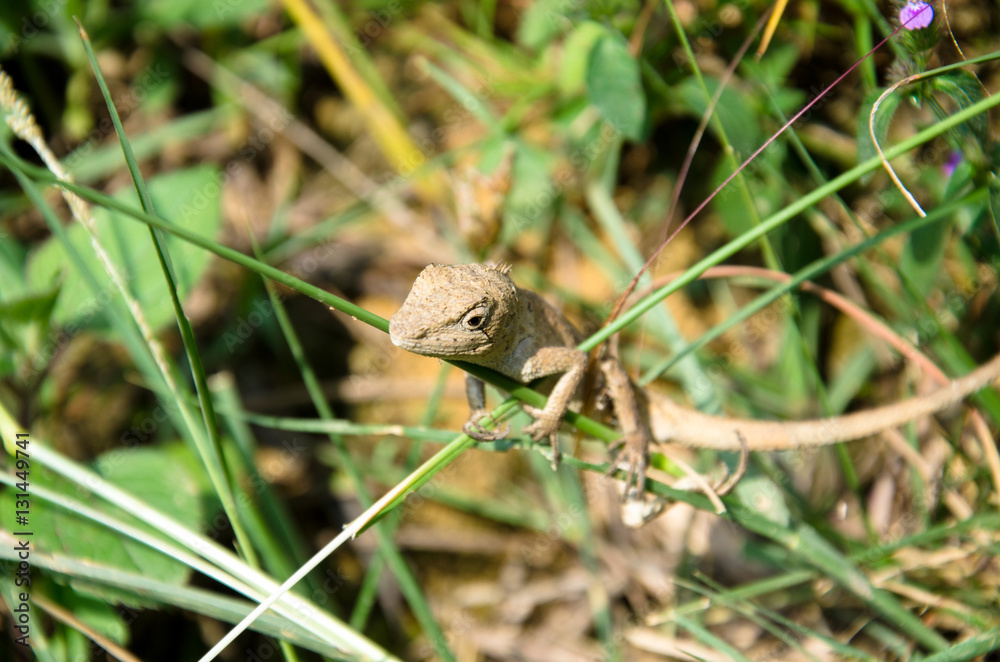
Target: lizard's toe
{"points": [[542, 428], [556, 453], [545, 429], [630, 456], [531, 410], [477, 431]]}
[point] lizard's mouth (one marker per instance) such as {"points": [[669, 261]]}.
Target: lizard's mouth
{"points": [[407, 344], [436, 347]]}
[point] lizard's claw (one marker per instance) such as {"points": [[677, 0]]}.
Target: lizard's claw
{"points": [[477, 431], [546, 428], [629, 454], [542, 429]]}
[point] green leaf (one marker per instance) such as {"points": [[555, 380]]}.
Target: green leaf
{"points": [[973, 135], [774, 70], [161, 477], [765, 498], [189, 198], [883, 118], [98, 614], [12, 257], [530, 202], [165, 477], [24, 326], [543, 21], [492, 151], [614, 85], [767, 192], [576, 57], [200, 14], [923, 254], [31, 308], [963, 175]]}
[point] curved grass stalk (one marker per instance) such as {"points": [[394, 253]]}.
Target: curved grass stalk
{"points": [[906, 81], [878, 148]]}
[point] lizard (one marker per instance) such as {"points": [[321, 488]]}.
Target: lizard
{"points": [[475, 313]]}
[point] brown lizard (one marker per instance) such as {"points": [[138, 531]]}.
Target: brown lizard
{"points": [[476, 313]]}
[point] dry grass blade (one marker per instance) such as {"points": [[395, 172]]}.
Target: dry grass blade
{"points": [[881, 155]]}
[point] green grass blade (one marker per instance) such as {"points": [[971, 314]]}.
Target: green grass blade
{"points": [[87, 164], [125, 326], [661, 322], [291, 607], [811, 272], [974, 646], [748, 202], [280, 544], [783, 216], [211, 452], [40, 174], [198, 600], [407, 582]]}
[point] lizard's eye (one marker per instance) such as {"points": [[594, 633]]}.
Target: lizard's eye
{"points": [[474, 319]]}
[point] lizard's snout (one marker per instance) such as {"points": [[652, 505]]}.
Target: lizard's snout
{"points": [[402, 334], [405, 343]]}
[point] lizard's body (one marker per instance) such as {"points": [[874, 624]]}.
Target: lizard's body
{"points": [[521, 336]]}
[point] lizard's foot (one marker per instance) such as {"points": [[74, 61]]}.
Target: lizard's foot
{"points": [[641, 508], [532, 411], [546, 428], [638, 507], [629, 454], [474, 429], [543, 427]]}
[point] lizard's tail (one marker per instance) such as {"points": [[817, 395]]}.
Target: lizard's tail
{"points": [[673, 424]]}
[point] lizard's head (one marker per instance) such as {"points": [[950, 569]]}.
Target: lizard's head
{"points": [[460, 311]]}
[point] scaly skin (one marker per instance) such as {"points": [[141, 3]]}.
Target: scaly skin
{"points": [[674, 424], [475, 313]]}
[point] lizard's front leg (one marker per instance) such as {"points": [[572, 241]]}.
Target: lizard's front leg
{"points": [[550, 361], [475, 393]]}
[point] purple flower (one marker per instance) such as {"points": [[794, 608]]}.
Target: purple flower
{"points": [[948, 168], [915, 15]]}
